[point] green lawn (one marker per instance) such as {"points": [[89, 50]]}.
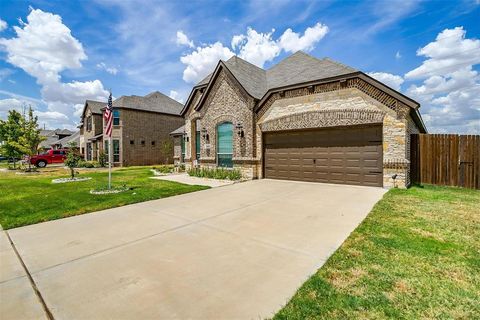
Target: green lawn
{"points": [[31, 199], [416, 256]]}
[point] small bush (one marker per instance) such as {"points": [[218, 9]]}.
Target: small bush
{"points": [[102, 159], [164, 168], [85, 164], [216, 173]]}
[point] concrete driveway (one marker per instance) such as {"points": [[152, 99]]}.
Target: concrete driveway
{"points": [[234, 252]]}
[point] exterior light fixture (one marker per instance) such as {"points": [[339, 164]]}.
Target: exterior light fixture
{"points": [[239, 128], [205, 134]]}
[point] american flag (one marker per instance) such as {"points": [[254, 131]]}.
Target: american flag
{"points": [[108, 116]]}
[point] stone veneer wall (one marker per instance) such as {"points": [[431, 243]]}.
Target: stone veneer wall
{"points": [[226, 102], [366, 104], [332, 105], [177, 149]]}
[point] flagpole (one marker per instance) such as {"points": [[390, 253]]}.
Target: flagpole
{"points": [[110, 162]]}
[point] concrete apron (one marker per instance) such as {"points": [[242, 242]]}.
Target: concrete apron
{"points": [[237, 252]]}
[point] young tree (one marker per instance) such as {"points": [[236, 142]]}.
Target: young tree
{"points": [[10, 132], [72, 159], [30, 137]]}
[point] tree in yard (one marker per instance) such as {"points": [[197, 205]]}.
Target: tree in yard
{"points": [[72, 159], [30, 137], [10, 132]]}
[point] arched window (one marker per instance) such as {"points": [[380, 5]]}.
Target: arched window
{"points": [[225, 145]]}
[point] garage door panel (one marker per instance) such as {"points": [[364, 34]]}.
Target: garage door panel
{"points": [[338, 155]]}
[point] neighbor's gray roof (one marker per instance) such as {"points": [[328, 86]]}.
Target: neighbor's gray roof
{"points": [[75, 137], [52, 136], [178, 131], [297, 68], [64, 131], [154, 102]]}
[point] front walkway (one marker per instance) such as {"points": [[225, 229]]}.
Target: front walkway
{"points": [[237, 252]]}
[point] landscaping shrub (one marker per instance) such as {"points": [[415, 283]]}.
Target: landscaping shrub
{"points": [[216, 173], [102, 159], [86, 164], [168, 168]]}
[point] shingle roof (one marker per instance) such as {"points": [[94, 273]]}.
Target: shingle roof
{"points": [[64, 131], [301, 67], [95, 106], [154, 102], [75, 137], [297, 68], [178, 132]]}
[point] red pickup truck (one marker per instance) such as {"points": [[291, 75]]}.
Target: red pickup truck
{"points": [[51, 156]]}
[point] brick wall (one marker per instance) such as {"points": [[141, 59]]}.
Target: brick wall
{"points": [[138, 126]]}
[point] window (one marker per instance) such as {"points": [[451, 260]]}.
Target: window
{"points": [[56, 152], [116, 150], [142, 142], [153, 143], [132, 142], [89, 123], [225, 145], [116, 117]]}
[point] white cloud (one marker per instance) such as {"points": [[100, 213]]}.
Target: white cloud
{"points": [[254, 47], [11, 104], [391, 80], [5, 73], [183, 40], [291, 41], [449, 52], [43, 48], [103, 66], [3, 25], [203, 60], [398, 55], [450, 91], [175, 96]]}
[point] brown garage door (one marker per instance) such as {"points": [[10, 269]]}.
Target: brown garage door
{"points": [[347, 155]]}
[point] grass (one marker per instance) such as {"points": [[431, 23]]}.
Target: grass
{"points": [[29, 199], [416, 256]]}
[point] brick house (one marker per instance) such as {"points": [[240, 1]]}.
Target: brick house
{"points": [[141, 127], [302, 119]]}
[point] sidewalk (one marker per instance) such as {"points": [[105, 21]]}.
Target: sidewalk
{"points": [[17, 297]]}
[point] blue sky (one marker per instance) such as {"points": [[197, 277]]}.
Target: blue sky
{"points": [[63, 52]]}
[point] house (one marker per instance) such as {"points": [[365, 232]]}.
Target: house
{"points": [[52, 136], [141, 127], [304, 119], [66, 141]]}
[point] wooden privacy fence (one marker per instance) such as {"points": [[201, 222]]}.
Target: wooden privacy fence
{"points": [[446, 159]]}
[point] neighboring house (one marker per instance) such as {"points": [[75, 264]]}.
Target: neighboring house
{"points": [[52, 136], [66, 141], [303, 119], [141, 127], [91, 130]]}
